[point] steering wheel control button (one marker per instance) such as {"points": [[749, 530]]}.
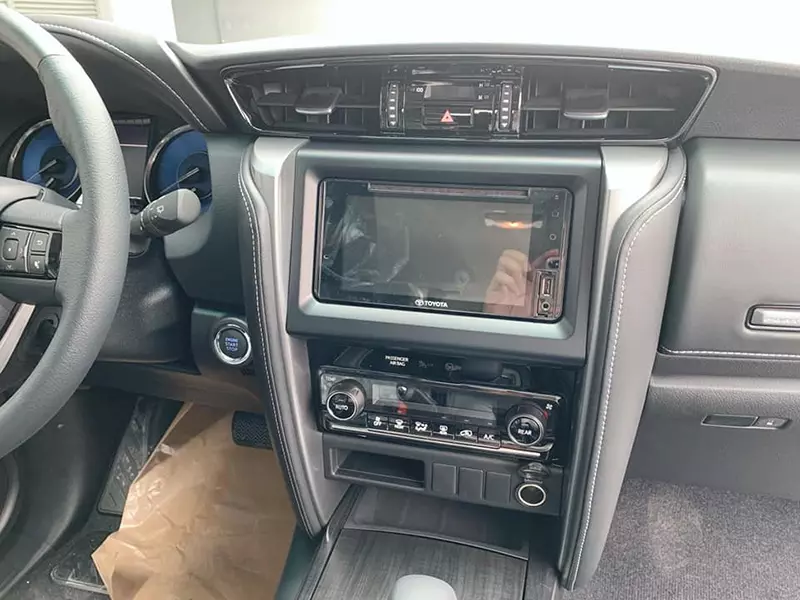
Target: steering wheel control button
{"points": [[531, 495], [36, 265], [10, 249], [39, 242], [232, 343], [13, 240]]}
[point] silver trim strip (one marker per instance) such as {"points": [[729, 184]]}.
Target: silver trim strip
{"points": [[463, 445], [628, 175], [14, 332], [151, 160]]}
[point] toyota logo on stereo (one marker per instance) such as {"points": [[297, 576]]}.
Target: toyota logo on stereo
{"points": [[430, 303]]}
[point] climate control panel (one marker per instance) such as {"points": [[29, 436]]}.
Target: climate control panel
{"points": [[475, 417]]}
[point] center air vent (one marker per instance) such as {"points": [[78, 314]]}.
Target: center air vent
{"points": [[538, 99], [341, 99], [609, 102]]}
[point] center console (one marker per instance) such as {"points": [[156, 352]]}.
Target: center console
{"points": [[481, 430], [443, 295], [421, 324]]}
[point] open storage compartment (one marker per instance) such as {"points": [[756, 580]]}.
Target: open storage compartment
{"points": [[378, 468], [452, 475]]}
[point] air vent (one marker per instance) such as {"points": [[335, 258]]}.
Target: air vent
{"points": [[568, 101], [513, 99], [331, 99]]}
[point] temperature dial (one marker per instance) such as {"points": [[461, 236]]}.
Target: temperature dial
{"points": [[345, 400], [526, 424]]}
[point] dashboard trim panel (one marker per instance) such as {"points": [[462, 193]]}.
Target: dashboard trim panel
{"points": [[265, 229], [621, 357]]}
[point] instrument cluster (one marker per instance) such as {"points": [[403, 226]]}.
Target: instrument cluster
{"points": [[155, 166]]}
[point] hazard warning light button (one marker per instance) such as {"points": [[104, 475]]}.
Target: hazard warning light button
{"points": [[447, 117]]}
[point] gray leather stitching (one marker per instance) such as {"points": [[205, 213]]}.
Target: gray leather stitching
{"points": [[729, 353], [607, 395], [264, 348], [107, 45]]}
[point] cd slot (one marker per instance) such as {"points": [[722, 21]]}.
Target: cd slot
{"points": [[452, 191]]}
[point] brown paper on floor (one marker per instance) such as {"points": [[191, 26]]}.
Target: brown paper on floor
{"points": [[205, 519]]}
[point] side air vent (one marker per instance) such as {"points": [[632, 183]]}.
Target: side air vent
{"points": [[568, 101], [331, 99]]}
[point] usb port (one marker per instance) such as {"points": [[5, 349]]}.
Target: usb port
{"points": [[546, 285]]}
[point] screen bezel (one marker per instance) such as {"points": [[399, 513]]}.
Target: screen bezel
{"points": [[295, 204], [443, 192]]}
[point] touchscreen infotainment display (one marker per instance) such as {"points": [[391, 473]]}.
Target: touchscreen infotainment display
{"points": [[496, 251]]}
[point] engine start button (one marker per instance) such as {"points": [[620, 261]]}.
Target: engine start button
{"points": [[231, 342]]}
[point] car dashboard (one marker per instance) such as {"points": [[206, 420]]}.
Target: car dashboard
{"points": [[495, 274]]}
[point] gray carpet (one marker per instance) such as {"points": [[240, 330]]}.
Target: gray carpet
{"points": [[677, 542]]}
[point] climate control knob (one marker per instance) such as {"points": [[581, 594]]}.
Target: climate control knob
{"points": [[526, 424], [345, 400]]}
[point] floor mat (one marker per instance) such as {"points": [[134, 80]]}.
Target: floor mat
{"points": [[150, 419], [678, 542], [206, 519]]}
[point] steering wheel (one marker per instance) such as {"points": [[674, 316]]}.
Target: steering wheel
{"points": [[52, 253]]}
